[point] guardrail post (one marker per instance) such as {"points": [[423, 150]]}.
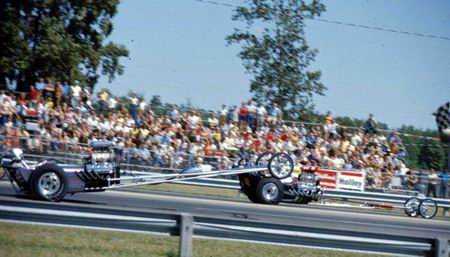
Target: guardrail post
{"points": [[186, 224], [441, 247]]}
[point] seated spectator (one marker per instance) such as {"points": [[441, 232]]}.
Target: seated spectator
{"points": [[40, 85], [330, 128], [213, 122], [333, 161], [243, 113]]}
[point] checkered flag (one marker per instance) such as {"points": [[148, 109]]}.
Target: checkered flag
{"points": [[442, 116]]}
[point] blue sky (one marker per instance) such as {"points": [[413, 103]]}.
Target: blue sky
{"points": [[178, 51]]}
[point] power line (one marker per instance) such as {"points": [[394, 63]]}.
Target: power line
{"points": [[348, 24], [217, 3], [382, 29]]}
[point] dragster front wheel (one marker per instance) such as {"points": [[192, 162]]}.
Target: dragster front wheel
{"points": [[412, 207], [428, 208], [263, 159], [281, 165]]}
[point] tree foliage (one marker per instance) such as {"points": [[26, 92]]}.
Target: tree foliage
{"points": [[423, 152], [431, 155], [276, 53], [59, 40]]}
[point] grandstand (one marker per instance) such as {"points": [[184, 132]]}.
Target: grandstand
{"points": [[63, 118]]}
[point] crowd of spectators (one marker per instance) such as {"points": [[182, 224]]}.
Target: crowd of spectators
{"points": [[62, 117]]}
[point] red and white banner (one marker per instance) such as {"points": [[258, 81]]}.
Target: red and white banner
{"points": [[349, 180], [328, 178]]}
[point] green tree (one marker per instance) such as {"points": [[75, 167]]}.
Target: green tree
{"points": [[59, 40], [430, 155], [156, 105], [276, 54]]}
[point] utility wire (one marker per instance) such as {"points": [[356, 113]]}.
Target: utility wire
{"points": [[348, 24], [217, 3], [382, 29]]}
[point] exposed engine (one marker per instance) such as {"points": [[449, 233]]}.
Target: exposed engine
{"points": [[101, 164]]}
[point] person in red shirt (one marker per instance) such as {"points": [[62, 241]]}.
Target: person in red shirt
{"points": [[245, 135], [243, 113], [256, 144], [270, 137], [34, 93], [284, 137]]}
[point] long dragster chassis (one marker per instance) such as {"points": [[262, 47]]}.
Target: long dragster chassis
{"points": [[50, 181], [268, 180]]}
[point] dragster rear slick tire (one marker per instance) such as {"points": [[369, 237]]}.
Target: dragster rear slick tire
{"points": [[48, 182], [269, 191], [248, 185]]}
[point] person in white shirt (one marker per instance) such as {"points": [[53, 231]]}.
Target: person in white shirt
{"points": [[223, 114], [193, 120], [174, 114], [261, 114], [213, 121], [356, 139], [76, 94], [142, 105], [112, 103]]}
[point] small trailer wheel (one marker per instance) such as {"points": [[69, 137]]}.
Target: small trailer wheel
{"points": [[428, 208], [281, 165], [48, 183], [412, 207]]}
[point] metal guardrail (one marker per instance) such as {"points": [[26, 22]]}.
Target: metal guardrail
{"points": [[370, 239], [377, 197]]}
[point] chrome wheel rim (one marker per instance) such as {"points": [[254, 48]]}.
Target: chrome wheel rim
{"points": [[412, 206], [280, 166], [270, 191], [49, 184], [428, 209]]}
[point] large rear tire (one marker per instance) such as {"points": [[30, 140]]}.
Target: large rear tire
{"points": [[48, 182], [269, 191], [248, 185]]}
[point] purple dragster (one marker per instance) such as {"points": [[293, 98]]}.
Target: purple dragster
{"points": [[48, 180]]}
